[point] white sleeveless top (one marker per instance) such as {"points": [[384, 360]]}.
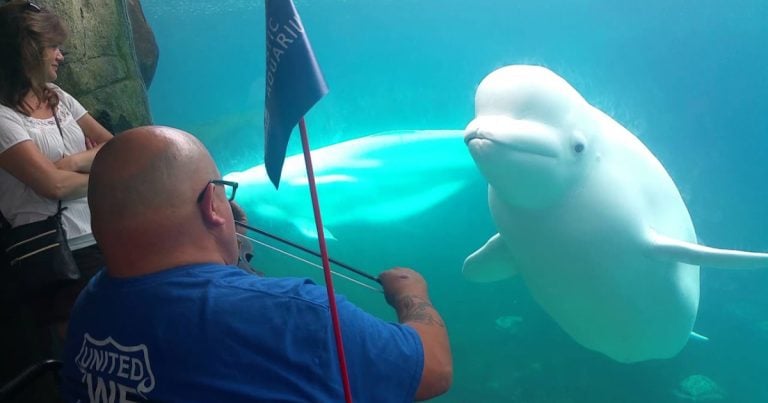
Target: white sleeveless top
{"points": [[18, 202]]}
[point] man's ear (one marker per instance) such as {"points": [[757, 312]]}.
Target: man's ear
{"points": [[211, 208]]}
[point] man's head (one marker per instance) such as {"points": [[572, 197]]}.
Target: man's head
{"points": [[143, 193]]}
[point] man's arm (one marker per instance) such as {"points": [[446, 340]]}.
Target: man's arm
{"points": [[406, 291]]}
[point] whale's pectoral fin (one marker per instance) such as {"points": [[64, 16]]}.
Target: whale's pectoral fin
{"points": [[666, 248], [309, 230], [492, 262], [696, 336]]}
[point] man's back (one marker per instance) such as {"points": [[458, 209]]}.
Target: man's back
{"points": [[170, 319], [215, 333]]}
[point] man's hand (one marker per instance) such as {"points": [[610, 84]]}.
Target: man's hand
{"points": [[406, 291], [399, 282]]}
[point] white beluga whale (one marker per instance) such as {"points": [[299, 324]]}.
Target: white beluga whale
{"points": [[588, 217], [364, 182]]}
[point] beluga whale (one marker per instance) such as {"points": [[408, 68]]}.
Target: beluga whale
{"points": [[588, 217], [365, 182]]}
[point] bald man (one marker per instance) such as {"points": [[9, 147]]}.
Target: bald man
{"points": [[171, 318]]}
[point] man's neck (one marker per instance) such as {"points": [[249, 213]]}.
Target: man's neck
{"points": [[126, 261]]}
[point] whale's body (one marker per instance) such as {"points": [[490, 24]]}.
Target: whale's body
{"points": [[367, 182], [588, 217]]}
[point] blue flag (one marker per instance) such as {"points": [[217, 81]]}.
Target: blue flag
{"points": [[294, 82]]}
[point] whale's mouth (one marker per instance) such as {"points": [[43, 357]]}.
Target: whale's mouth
{"points": [[524, 144], [473, 135]]}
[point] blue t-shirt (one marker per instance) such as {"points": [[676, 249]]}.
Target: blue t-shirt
{"points": [[212, 333]]}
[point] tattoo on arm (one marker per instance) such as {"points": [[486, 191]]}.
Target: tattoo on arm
{"points": [[418, 309]]}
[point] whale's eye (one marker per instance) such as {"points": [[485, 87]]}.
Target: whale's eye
{"points": [[578, 142]]}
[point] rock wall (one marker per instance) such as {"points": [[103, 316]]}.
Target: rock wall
{"points": [[102, 69], [144, 42]]}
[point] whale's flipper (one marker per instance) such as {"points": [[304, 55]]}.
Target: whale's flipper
{"points": [[489, 263], [666, 248], [696, 336], [309, 230]]}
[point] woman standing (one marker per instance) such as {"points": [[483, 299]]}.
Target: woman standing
{"points": [[47, 144]]}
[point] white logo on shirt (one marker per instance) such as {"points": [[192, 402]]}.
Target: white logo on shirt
{"points": [[113, 372]]}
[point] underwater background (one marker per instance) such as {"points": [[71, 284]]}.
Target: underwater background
{"points": [[690, 79]]}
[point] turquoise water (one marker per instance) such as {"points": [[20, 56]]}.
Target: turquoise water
{"points": [[690, 79]]}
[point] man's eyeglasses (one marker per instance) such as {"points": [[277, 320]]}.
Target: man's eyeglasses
{"points": [[229, 189], [30, 6]]}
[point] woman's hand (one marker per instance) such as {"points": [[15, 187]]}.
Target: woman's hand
{"points": [[68, 163], [94, 132], [80, 162], [90, 143]]}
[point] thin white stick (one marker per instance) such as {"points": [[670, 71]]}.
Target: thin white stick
{"points": [[315, 265]]}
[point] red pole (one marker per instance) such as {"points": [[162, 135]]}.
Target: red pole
{"points": [[326, 262]]}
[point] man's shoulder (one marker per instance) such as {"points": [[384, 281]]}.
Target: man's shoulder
{"points": [[220, 291], [236, 281], [210, 276]]}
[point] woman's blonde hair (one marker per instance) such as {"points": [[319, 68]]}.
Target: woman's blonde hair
{"points": [[26, 30]]}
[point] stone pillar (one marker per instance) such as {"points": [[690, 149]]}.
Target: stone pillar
{"points": [[102, 70], [144, 42]]}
